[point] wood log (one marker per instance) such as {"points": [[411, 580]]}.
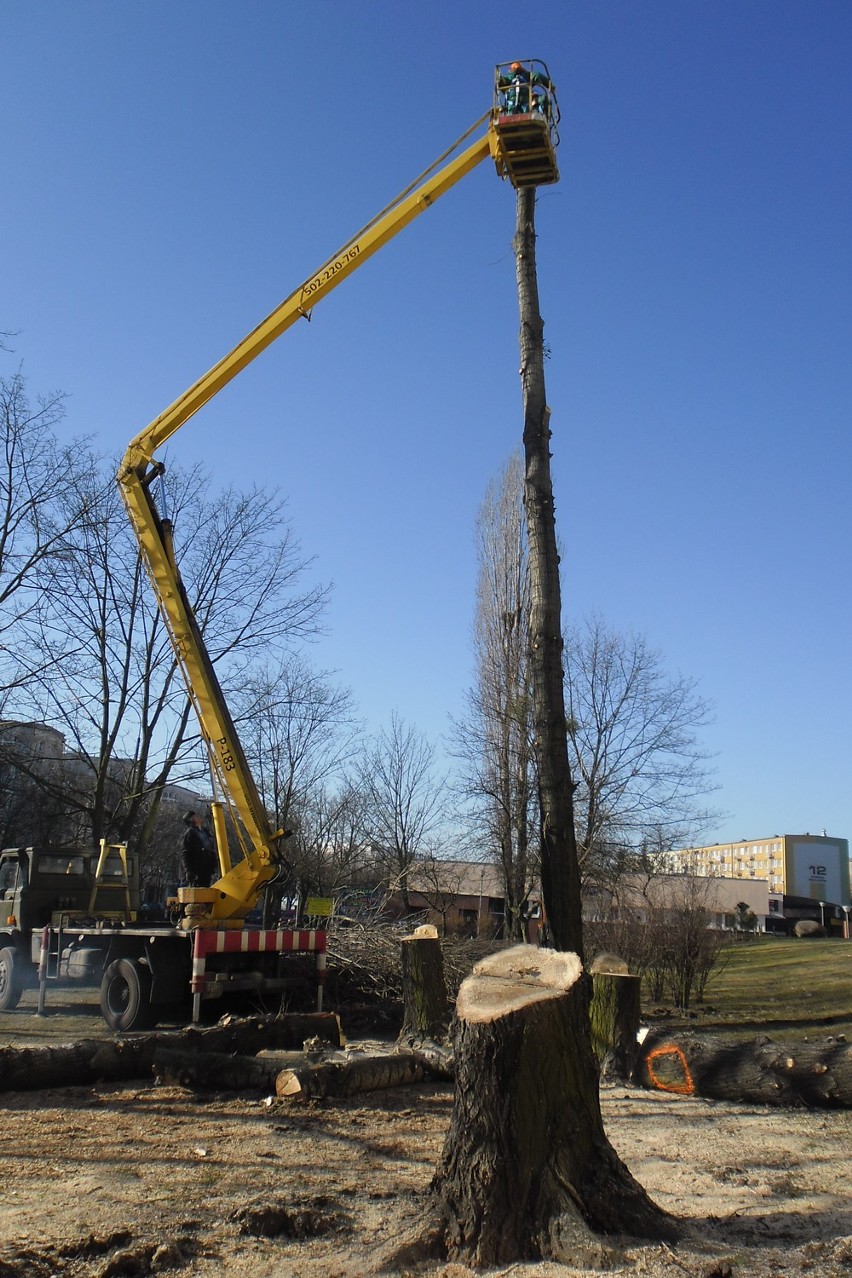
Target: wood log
{"points": [[424, 990], [615, 1014], [758, 1071], [347, 1077], [74, 1064], [526, 1167], [214, 1071], [250, 1035], [112, 1059]]}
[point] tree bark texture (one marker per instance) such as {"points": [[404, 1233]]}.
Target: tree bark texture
{"points": [[560, 876], [526, 1167], [107, 1060], [615, 1014], [424, 990], [756, 1072]]}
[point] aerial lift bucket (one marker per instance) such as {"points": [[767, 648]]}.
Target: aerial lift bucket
{"points": [[525, 120]]}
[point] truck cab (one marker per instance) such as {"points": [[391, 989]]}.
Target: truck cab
{"points": [[57, 886]]}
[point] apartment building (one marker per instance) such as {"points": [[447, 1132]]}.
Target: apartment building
{"points": [[815, 866]]}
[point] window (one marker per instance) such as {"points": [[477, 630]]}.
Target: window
{"points": [[61, 863]]}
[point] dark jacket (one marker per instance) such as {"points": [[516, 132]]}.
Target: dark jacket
{"points": [[197, 857]]}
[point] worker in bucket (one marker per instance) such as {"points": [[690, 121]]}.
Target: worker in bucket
{"points": [[524, 91]]}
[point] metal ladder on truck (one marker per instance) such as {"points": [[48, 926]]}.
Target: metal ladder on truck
{"points": [[112, 883]]}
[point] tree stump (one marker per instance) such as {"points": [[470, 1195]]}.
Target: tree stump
{"points": [[615, 1014], [424, 991], [527, 1170]]}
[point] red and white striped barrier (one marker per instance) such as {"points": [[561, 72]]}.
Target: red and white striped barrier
{"points": [[250, 941]]}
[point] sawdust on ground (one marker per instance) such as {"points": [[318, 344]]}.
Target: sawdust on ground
{"points": [[133, 1180]]}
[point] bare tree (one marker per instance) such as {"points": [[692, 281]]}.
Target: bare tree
{"points": [[404, 800], [160, 869], [695, 945], [298, 731], [34, 471], [494, 739], [245, 571], [329, 853], [638, 768], [666, 927], [639, 774], [105, 676], [111, 683]]}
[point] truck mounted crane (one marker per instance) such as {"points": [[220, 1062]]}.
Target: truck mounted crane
{"points": [[137, 968]]}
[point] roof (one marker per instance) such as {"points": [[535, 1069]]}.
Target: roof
{"points": [[461, 878]]}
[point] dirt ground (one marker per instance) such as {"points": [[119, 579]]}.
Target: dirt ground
{"points": [[132, 1180]]}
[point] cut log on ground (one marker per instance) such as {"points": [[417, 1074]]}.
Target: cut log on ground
{"points": [[615, 1015], [75, 1064], [253, 1034], [526, 1167], [756, 1072], [424, 990], [346, 1077], [217, 1071], [109, 1060]]}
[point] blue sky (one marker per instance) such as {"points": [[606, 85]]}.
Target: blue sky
{"points": [[174, 168]]}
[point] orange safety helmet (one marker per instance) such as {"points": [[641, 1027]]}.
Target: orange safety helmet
{"points": [[516, 66]]}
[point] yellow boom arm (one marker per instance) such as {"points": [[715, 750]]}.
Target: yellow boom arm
{"points": [[240, 884]]}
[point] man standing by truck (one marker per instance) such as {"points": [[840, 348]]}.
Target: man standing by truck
{"points": [[196, 855]]}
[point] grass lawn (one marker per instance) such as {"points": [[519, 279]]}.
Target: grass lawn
{"points": [[790, 987]]}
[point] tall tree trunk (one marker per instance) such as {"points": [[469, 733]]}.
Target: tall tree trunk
{"points": [[527, 1169], [560, 876]]}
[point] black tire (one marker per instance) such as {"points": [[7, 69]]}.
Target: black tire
{"points": [[11, 984], [126, 996]]}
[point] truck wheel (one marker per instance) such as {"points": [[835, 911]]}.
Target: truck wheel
{"points": [[126, 996], [11, 984]]}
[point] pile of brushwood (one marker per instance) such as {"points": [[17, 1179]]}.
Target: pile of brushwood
{"points": [[364, 970]]}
